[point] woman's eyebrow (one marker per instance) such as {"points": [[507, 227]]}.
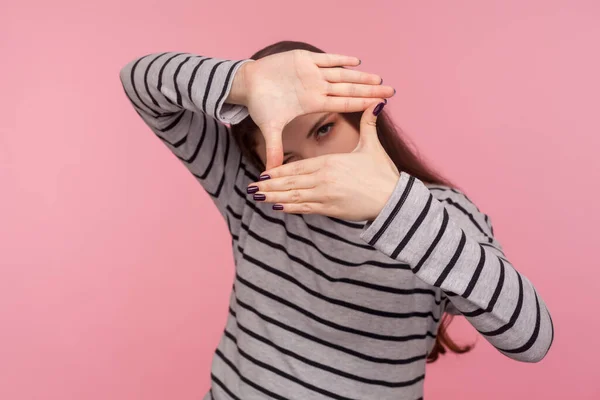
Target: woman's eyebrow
{"points": [[317, 123]]}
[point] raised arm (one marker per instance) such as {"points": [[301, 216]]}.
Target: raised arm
{"points": [[181, 97], [449, 243], [184, 99]]}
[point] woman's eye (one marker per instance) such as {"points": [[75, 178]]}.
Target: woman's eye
{"points": [[324, 129], [319, 133]]}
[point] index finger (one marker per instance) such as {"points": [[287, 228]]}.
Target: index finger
{"points": [[334, 60], [300, 167]]}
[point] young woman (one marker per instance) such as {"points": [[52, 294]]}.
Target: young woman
{"points": [[349, 251]]}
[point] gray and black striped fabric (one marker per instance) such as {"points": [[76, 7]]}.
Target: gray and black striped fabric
{"points": [[323, 308]]}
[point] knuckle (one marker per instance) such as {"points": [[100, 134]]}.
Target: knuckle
{"points": [[295, 196], [352, 91], [327, 175], [323, 175], [331, 163], [329, 87], [329, 197], [305, 208], [296, 169], [328, 208], [291, 181]]}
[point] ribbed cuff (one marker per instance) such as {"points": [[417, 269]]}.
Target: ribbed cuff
{"points": [[226, 112]]}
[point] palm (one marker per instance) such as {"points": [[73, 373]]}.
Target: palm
{"points": [[290, 84], [285, 85]]}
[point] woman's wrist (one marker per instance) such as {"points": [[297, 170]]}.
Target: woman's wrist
{"points": [[238, 92]]}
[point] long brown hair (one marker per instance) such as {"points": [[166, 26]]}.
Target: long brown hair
{"points": [[393, 141]]}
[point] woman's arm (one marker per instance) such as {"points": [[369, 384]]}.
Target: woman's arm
{"points": [[183, 98], [450, 244]]}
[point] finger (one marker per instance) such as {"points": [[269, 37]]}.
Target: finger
{"points": [[301, 208], [358, 90], [284, 183], [274, 157], [274, 147], [302, 167], [368, 123], [289, 196], [347, 104], [336, 75], [333, 60]]}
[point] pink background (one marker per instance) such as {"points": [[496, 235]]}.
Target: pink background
{"points": [[116, 267]]}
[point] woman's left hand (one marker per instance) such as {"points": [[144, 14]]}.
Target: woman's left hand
{"points": [[353, 186]]}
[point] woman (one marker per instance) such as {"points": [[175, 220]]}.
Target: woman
{"points": [[348, 250]]}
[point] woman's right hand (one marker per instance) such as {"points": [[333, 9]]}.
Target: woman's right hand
{"points": [[282, 86]]}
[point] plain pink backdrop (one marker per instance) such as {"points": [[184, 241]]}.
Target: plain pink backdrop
{"points": [[116, 267]]}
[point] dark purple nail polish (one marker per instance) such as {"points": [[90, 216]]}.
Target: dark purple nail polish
{"points": [[259, 197], [252, 189], [394, 91], [381, 81], [378, 109], [385, 101], [264, 177], [277, 207]]}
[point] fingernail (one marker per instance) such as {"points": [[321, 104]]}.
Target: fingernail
{"points": [[394, 92], [277, 207], [378, 108], [385, 101], [381, 81], [259, 197], [264, 177], [252, 189], [359, 61]]}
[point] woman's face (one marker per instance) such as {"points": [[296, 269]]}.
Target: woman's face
{"points": [[313, 135]]}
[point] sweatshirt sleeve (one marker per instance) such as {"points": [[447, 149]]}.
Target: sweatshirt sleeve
{"points": [[449, 243], [180, 96]]}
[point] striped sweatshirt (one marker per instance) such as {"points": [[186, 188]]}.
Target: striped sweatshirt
{"points": [[325, 308]]}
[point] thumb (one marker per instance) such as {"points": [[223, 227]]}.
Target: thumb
{"points": [[368, 123], [274, 148]]}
